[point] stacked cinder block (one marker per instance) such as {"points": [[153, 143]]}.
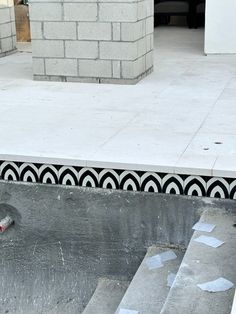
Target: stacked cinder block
{"points": [[7, 27], [104, 41]]}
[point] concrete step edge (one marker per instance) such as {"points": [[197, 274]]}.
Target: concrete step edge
{"points": [[200, 264], [148, 288], [106, 296]]}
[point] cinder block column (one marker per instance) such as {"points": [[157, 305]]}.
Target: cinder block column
{"points": [[103, 41], [7, 27]]}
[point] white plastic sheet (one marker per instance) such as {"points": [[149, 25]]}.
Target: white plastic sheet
{"points": [[210, 241], [201, 226], [170, 279], [158, 260], [167, 256], [218, 285], [154, 262], [184, 265]]}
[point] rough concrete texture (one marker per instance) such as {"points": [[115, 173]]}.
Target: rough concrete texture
{"points": [[106, 297], [148, 290], [201, 264], [64, 239]]}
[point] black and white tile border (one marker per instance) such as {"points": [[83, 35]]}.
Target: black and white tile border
{"points": [[119, 179]]}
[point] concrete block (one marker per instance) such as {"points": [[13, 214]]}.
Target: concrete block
{"points": [[118, 50], [6, 3], [6, 29], [7, 44], [38, 66], [133, 31], [61, 67], [94, 31], [132, 69], [118, 12], [49, 11], [80, 11], [118, 81], [60, 30], [149, 42], [12, 13], [149, 25], [81, 49], [151, 38], [48, 48], [149, 60], [13, 28], [116, 69], [53, 78], [116, 31], [36, 29], [14, 42], [142, 46], [145, 9], [82, 79], [95, 68], [5, 15]]}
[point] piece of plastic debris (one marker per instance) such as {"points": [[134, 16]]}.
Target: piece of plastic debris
{"points": [[154, 262], [170, 279], [184, 265], [167, 256], [125, 311], [5, 223], [210, 241], [157, 261], [218, 285], [201, 226]]}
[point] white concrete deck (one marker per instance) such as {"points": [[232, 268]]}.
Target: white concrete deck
{"points": [[169, 122]]}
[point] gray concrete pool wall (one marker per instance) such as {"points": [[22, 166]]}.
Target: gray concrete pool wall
{"points": [[65, 238]]}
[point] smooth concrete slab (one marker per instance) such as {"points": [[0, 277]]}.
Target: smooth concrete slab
{"points": [[148, 289], [203, 263], [106, 297], [169, 122]]}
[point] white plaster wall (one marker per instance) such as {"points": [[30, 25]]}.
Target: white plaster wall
{"points": [[220, 29]]}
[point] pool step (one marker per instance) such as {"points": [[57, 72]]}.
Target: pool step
{"points": [[106, 297], [148, 290], [202, 263]]}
